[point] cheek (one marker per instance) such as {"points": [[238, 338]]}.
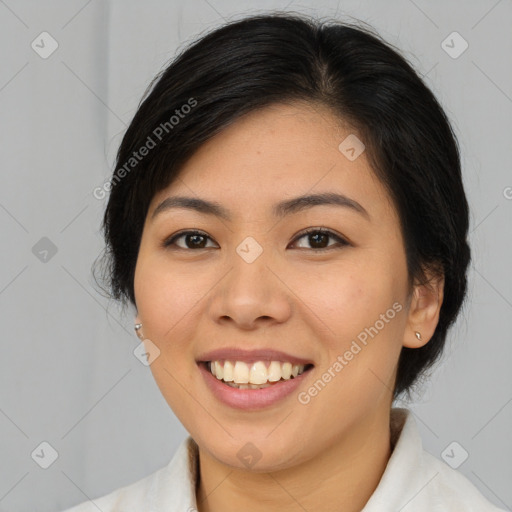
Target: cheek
{"points": [[362, 306], [165, 296], [166, 302], [349, 297]]}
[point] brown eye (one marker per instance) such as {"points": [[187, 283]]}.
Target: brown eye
{"points": [[319, 239], [191, 240]]}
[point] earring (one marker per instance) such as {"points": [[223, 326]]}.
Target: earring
{"points": [[137, 329], [418, 335]]}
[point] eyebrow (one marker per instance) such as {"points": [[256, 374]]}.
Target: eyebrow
{"points": [[281, 209]]}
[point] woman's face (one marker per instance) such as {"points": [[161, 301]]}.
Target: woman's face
{"points": [[253, 281]]}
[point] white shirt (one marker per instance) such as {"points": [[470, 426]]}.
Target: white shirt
{"points": [[413, 481]]}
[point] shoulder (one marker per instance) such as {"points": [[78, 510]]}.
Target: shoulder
{"points": [[416, 481], [130, 497], [451, 490], [172, 484]]}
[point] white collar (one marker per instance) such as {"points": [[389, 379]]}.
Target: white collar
{"points": [[413, 481]]}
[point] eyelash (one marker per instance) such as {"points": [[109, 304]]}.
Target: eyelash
{"points": [[341, 241]]}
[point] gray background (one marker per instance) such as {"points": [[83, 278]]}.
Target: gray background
{"points": [[68, 373]]}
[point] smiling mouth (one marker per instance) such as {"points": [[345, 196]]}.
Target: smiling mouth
{"points": [[257, 375]]}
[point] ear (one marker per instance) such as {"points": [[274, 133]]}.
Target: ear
{"points": [[139, 331], [424, 310]]}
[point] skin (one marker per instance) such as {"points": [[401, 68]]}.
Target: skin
{"points": [[294, 298]]}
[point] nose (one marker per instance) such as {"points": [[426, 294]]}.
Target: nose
{"points": [[252, 293]]}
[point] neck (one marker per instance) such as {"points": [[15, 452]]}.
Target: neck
{"points": [[346, 473]]}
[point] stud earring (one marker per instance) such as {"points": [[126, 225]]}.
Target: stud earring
{"points": [[418, 335], [137, 328]]}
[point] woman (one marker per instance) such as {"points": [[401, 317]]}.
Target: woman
{"points": [[288, 218]]}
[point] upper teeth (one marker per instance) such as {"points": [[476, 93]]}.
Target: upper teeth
{"points": [[255, 373]]}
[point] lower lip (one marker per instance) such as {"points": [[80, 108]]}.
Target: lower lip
{"points": [[250, 399]]}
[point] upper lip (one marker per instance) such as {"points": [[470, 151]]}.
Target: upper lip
{"points": [[250, 356]]}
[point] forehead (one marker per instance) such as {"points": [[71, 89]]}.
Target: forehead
{"points": [[283, 150]]}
